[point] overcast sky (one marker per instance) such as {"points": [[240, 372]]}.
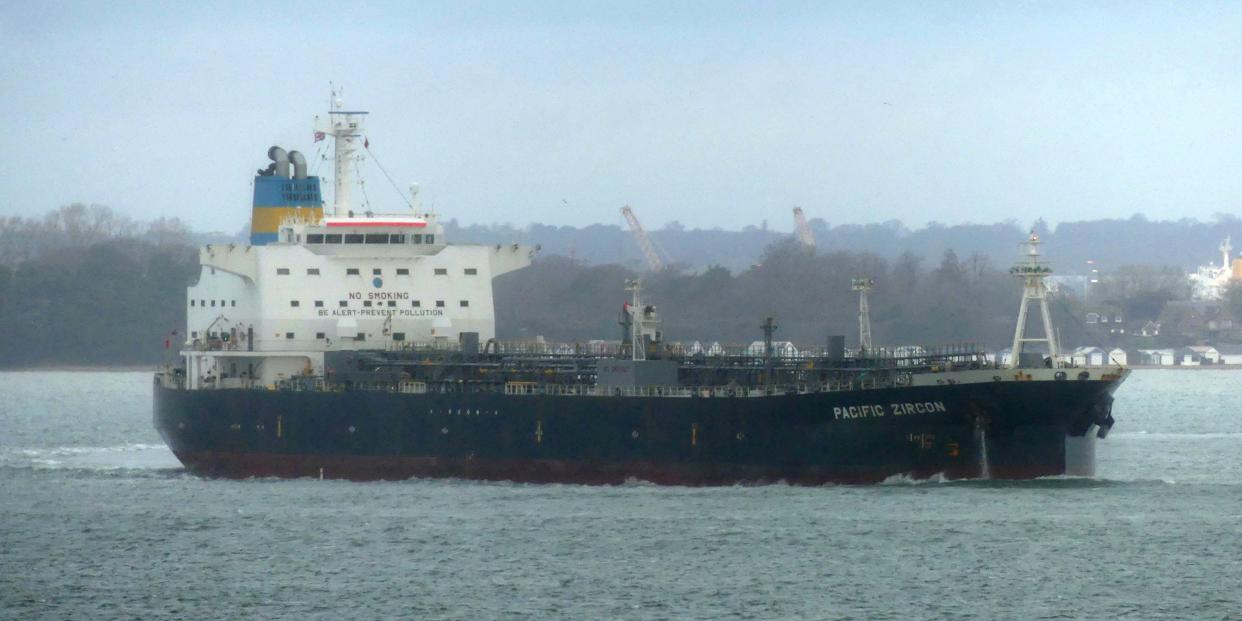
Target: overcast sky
{"points": [[711, 113]]}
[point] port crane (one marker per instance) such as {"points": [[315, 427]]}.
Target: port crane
{"points": [[654, 262], [802, 229]]}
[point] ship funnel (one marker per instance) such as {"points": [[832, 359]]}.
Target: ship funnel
{"points": [[299, 164], [281, 159]]}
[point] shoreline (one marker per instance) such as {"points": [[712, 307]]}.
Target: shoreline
{"points": [[82, 368], [134, 368]]}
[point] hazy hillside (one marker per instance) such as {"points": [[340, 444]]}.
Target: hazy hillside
{"points": [[1109, 243], [83, 285]]}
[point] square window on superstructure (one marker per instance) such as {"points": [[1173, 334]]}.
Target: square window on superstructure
{"points": [[431, 239], [312, 271], [320, 335], [392, 302], [221, 303], [398, 336], [213, 302], [318, 303], [397, 239], [294, 303], [361, 336], [343, 304], [191, 302], [232, 302], [439, 303], [472, 271], [366, 303], [465, 303], [417, 304], [403, 271], [351, 271], [288, 335], [194, 334], [282, 271], [441, 271], [377, 271]]}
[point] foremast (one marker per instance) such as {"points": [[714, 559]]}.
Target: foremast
{"points": [[1033, 272]]}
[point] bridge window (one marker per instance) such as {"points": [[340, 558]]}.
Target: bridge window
{"points": [[314, 238], [354, 238], [397, 239], [431, 239], [470, 271], [332, 238], [282, 271], [441, 271], [418, 238], [377, 238], [403, 271], [351, 271], [312, 271]]}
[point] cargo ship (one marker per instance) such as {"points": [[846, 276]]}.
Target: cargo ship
{"points": [[342, 342]]}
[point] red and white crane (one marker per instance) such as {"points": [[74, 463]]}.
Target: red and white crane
{"points": [[802, 229], [654, 262]]}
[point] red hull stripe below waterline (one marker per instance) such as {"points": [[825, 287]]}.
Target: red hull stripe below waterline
{"points": [[374, 468]]}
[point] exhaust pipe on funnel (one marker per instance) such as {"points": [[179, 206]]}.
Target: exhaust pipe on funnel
{"points": [[299, 164], [281, 159]]}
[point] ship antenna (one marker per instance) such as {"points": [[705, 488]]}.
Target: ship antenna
{"points": [[1033, 272]]}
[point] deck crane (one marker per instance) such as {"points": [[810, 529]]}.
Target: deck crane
{"points": [[863, 287], [654, 262], [802, 229]]}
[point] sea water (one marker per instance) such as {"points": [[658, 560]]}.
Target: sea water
{"points": [[98, 521]]}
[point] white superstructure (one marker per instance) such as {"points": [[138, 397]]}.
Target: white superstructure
{"points": [[344, 280], [1210, 281]]}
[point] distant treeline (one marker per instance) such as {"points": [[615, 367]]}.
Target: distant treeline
{"points": [[85, 286], [1108, 243], [952, 300]]}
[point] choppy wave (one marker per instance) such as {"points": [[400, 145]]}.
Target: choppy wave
{"points": [[1166, 435], [132, 456]]}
